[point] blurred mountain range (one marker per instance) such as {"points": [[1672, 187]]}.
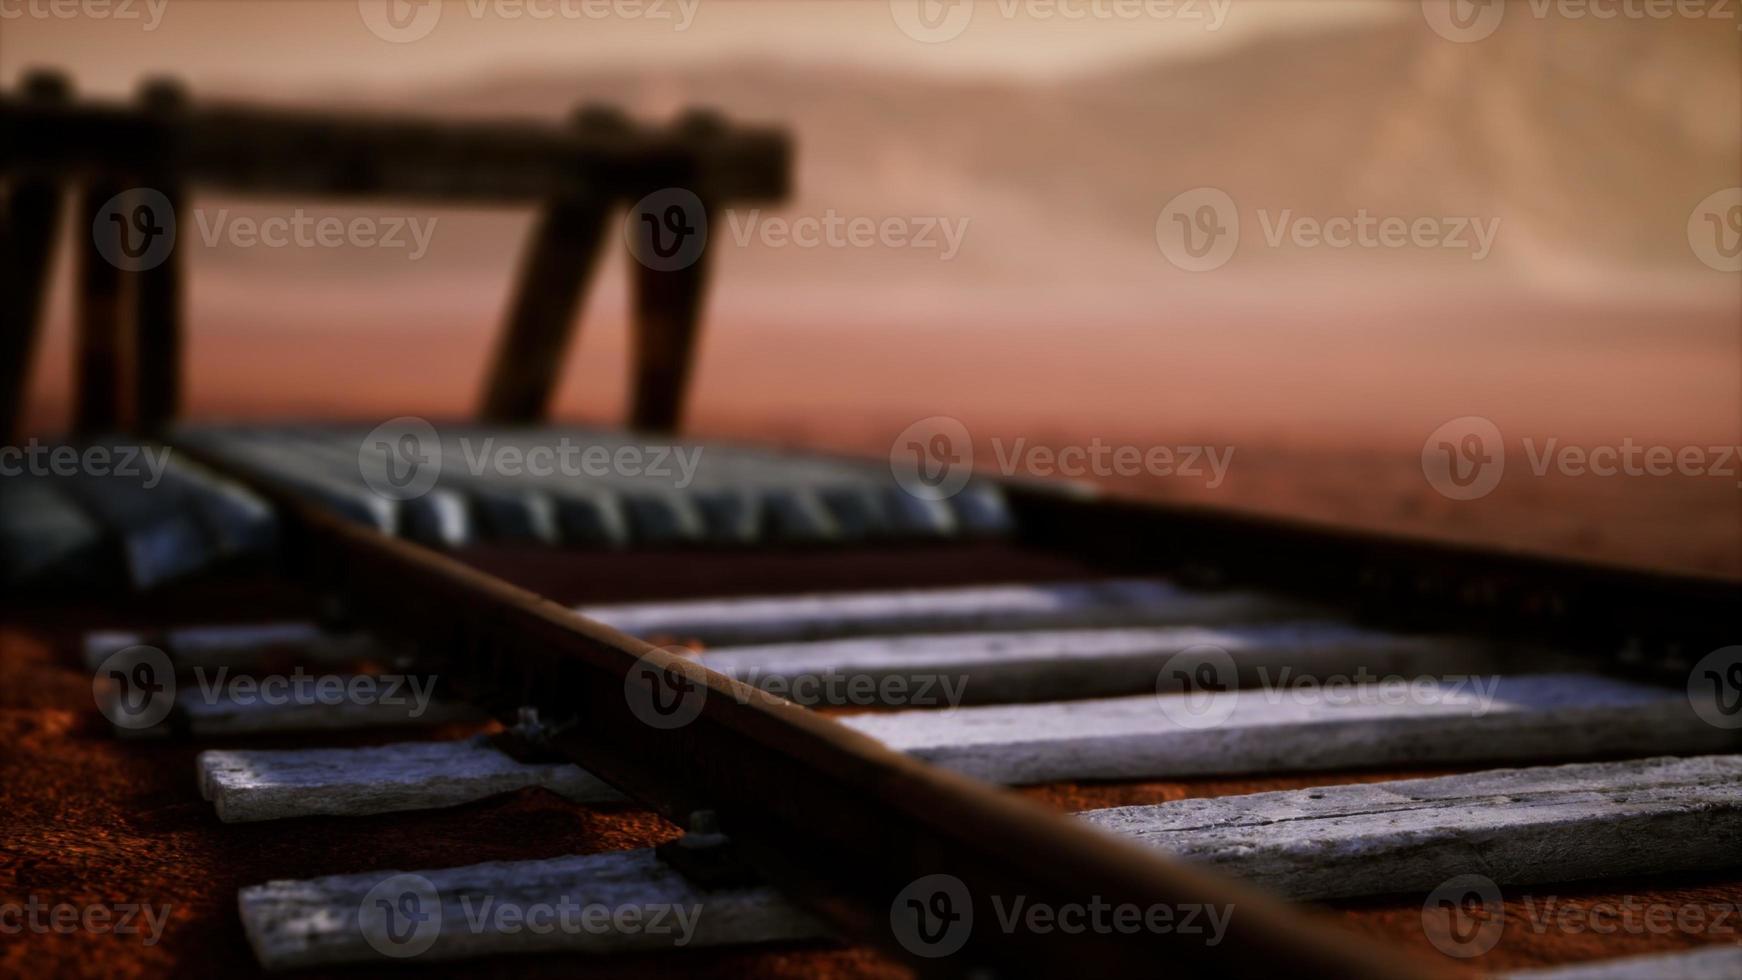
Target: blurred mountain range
{"points": [[1591, 142]]}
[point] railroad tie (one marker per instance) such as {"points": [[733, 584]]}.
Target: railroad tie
{"points": [[948, 669], [1530, 717], [1060, 605], [1548, 716], [625, 901], [1716, 962], [243, 646], [268, 785], [1512, 826]]}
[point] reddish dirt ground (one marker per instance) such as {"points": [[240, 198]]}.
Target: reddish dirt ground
{"points": [[91, 819]]}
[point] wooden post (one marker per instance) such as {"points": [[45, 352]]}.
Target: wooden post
{"points": [[29, 213], [158, 337], [669, 244], [561, 258], [100, 344], [668, 308]]}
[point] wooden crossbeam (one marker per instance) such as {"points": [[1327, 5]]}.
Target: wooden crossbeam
{"points": [[251, 150]]}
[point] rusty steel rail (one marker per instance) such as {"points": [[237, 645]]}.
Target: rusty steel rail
{"points": [[1638, 621], [831, 816]]}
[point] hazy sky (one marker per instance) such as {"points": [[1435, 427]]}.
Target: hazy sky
{"points": [[324, 42]]}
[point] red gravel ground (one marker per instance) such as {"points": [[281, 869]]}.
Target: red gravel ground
{"points": [[89, 819]]}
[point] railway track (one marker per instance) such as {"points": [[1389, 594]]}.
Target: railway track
{"points": [[869, 815], [772, 707]]}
